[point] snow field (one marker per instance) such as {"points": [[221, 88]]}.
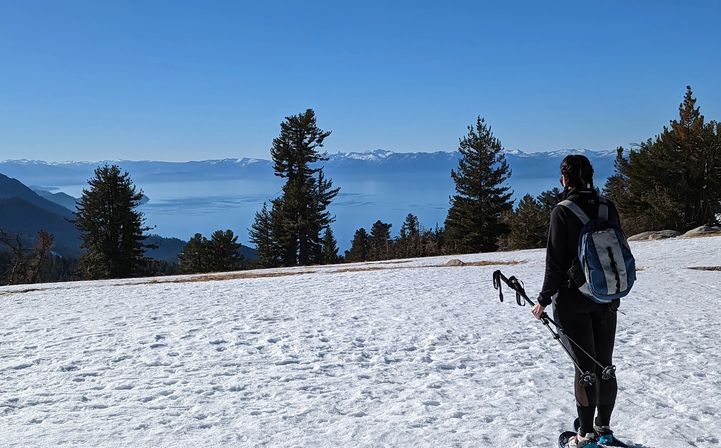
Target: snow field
{"points": [[406, 353]]}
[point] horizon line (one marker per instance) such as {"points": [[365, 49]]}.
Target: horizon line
{"points": [[567, 151]]}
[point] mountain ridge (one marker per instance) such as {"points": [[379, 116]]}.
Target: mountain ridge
{"points": [[26, 212], [369, 155]]}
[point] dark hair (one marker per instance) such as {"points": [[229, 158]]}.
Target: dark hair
{"points": [[578, 171]]}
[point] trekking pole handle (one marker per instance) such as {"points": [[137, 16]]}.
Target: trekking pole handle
{"points": [[514, 284]]}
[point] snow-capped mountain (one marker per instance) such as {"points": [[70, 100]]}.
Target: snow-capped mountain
{"points": [[377, 163]]}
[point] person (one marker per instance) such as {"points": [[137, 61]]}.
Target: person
{"points": [[592, 325]]}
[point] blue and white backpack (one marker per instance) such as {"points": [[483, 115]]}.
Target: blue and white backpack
{"points": [[609, 269]]}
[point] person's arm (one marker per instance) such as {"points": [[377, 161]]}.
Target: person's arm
{"points": [[556, 249]]}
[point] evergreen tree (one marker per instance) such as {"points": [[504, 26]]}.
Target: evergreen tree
{"points": [[432, 241], [474, 220], [161, 267], [617, 188], [194, 258], [408, 244], [224, 251], [320, 216], [110, 226], [329, 252], [264, 234], [548, 199], [528, 225], [359, 247], [306, 193], [672, 181], [379, 243]]}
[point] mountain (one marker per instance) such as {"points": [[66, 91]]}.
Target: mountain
{"points": [[25, 212], [47, 175], [62, 199], [13, 188], [67, 201], [169, 249], [376, 164], [20, 216]]}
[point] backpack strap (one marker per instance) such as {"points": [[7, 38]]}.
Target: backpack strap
{"points": [[576, 210], [602, 208]]}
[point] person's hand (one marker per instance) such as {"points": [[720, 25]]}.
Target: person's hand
{"points": [[538, 310]]}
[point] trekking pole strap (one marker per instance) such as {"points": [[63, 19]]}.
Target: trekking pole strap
{"points": [[514, 284]]}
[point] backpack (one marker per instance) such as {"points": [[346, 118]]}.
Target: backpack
{"points": [[608, 269]]}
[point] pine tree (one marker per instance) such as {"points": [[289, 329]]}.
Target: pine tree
{"points": [[329, 251], [379, 242], [264, 234], [548, 199], [528, 224], [306, 193], [194, 258], [617, 189], [408, 244], [432, 241], [474, 220], [111, 227], [321, 218], [224, 251], [672, 181], [359, 247]]}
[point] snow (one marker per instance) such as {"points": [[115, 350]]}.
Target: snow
{"points": [[405, 354], [375, 155], [581, 151]]}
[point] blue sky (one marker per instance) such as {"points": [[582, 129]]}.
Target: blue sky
{"points": [[181, 80]]}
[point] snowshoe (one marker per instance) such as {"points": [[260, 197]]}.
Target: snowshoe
{"points": [[604, 436]]}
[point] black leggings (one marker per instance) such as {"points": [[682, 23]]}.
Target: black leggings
{"points": [[593, 327]]}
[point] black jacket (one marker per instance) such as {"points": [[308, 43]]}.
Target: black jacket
{"points": [[563, 235]]}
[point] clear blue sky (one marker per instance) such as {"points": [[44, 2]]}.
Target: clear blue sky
{"points": [[181, 80]]}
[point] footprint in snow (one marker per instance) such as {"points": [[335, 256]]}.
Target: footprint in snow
{"points": [[21, 366], [286, 362], [445, 366]]}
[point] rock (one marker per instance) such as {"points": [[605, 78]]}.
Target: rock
{"points": [[455, 262], [654, 235], [702, 231]]}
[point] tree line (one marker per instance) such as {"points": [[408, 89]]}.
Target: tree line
{"points": [[671, 181]]}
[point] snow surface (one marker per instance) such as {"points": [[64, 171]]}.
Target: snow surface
{"points": [[408, 353]]}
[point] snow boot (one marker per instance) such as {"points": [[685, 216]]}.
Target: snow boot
{"points": [[604, 435], [587, 441]]}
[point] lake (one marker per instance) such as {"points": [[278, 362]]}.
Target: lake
{"points": [[181, 209]]}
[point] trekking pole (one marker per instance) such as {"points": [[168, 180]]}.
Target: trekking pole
{"points": [[587, 377]]}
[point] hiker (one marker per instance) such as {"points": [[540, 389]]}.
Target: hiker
{"points": [[590, 323]]}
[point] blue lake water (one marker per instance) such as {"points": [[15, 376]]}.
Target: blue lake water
{"points": [[181, 209]]}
